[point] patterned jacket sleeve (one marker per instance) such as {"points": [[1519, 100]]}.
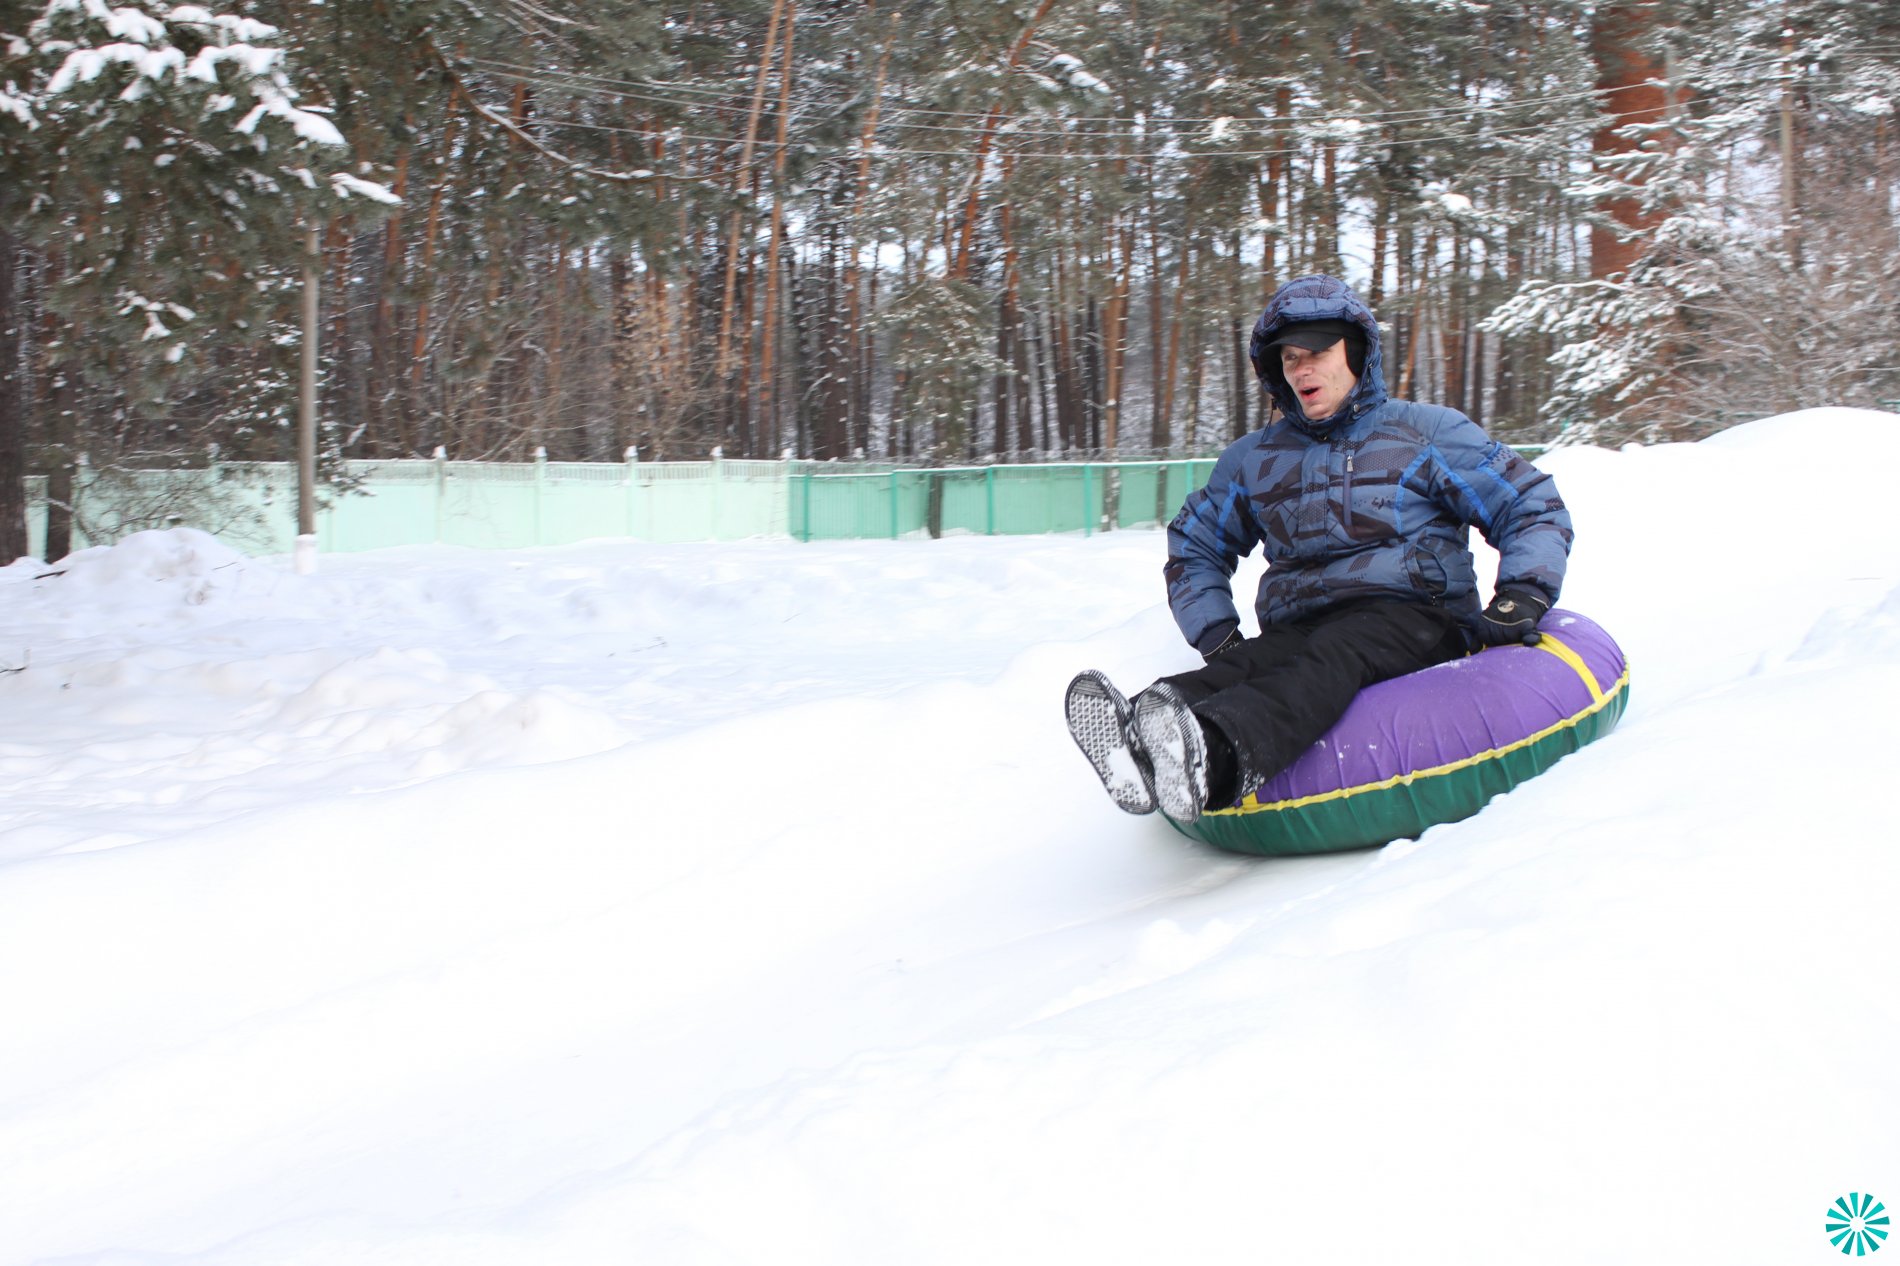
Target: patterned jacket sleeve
{"points": [[1206, 541], [1514, 504]]}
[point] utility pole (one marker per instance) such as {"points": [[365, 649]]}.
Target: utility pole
{"points": [[306, 553]]}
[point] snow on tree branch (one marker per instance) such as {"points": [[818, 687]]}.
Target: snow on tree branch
{"points": [[98, 66]]}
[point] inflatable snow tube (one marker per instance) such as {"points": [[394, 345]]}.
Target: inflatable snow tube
{"points": [[1433, 746]]}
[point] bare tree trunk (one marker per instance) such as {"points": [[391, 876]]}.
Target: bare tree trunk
{"points": [[1381, 233], [1116, 331], [625, 325], [1275, 189], [866, 361], [1157, 323], [1197, 375], [1171, 357], [1062, 370], [1008, 334], [425, 277], [1629, 84], [769, 419], [1419, 324], [1327, 246], [833, 432], [1094, 397], [13, 536], [1069, 428], [1238, 331], [1517, 242], [1040, 387], [1019, 361], [741, 370], [1475, 390], [383, 395], [960, 259], [723, 357], [547, 419], [60, 416], [1790, 157], [861, 341], [902, 438], [999, 381], [1454, 324]]}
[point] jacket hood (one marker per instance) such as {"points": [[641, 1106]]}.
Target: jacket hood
{"points": [[1316, 298]]}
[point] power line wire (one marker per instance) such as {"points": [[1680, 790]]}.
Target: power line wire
{"points": [[582, 83], [1169, 149]]}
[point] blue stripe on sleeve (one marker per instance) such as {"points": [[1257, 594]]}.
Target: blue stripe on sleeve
{"points": [[1484, 512]]}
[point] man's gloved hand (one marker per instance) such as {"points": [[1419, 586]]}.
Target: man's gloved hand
{"points": [[1222, 645], [1513, 616]]}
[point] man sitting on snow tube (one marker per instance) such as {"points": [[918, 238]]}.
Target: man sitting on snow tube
{"points": [[1363, 504]]}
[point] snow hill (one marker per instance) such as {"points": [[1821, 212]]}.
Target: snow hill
{"points": [[748, 904]]}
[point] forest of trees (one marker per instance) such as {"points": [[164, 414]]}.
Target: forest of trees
{"points": [[962, 230]]}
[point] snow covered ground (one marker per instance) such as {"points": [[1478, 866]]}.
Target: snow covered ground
{"points": [[748, 904]]}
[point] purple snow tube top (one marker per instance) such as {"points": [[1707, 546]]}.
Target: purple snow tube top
{"points": [[1434, 746]]}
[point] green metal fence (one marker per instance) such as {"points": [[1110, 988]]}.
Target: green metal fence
{"points": [[829, 505], [507, 505]]}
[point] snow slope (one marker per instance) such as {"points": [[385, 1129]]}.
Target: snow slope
{"points": [[749, 904]]}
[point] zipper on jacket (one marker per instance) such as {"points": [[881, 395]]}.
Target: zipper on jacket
{"points": [[1348, 492]]}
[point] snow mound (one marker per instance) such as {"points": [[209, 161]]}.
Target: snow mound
{"points": [[176, 567], [1843, 434]]}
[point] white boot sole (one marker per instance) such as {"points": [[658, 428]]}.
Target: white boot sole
{"points": [[1098, 716], [1176, 751]]}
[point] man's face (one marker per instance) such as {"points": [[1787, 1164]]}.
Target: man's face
{"points": [[1322, 380]]}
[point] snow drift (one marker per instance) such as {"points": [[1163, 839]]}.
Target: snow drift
{"points": [[748, 903]]}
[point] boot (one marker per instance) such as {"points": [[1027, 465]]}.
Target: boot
{"points": [[1098, 716], [1169, 735]]}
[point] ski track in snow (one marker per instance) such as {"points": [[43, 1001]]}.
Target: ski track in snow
{"points": [[749, 903]]}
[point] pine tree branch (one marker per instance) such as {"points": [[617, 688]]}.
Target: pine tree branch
{"points": [[514, 130]]}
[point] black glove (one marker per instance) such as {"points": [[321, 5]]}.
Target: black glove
{"points": [[1513, 616], [1223, 645]]}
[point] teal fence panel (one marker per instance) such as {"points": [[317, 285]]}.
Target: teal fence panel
{"points": [[912, 502], [754, 500], [1137, 490], [965, 504], [581, 501], [490, 505], [677, 501], [1026, 501], [397, 503], [825, 504]]}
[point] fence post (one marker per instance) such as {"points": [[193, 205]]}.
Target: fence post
{"points": [[441, 489], [326, 516], [540, 488], [633, 486], [894, 505], [989, 496], [805, 519], [82, 478], [1088, 499], [718, 477]]}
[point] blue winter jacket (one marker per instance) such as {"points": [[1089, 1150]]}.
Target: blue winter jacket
{"points": [[1373, 502]]}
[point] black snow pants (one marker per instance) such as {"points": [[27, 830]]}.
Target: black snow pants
{"points": [[1273, 695]]}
